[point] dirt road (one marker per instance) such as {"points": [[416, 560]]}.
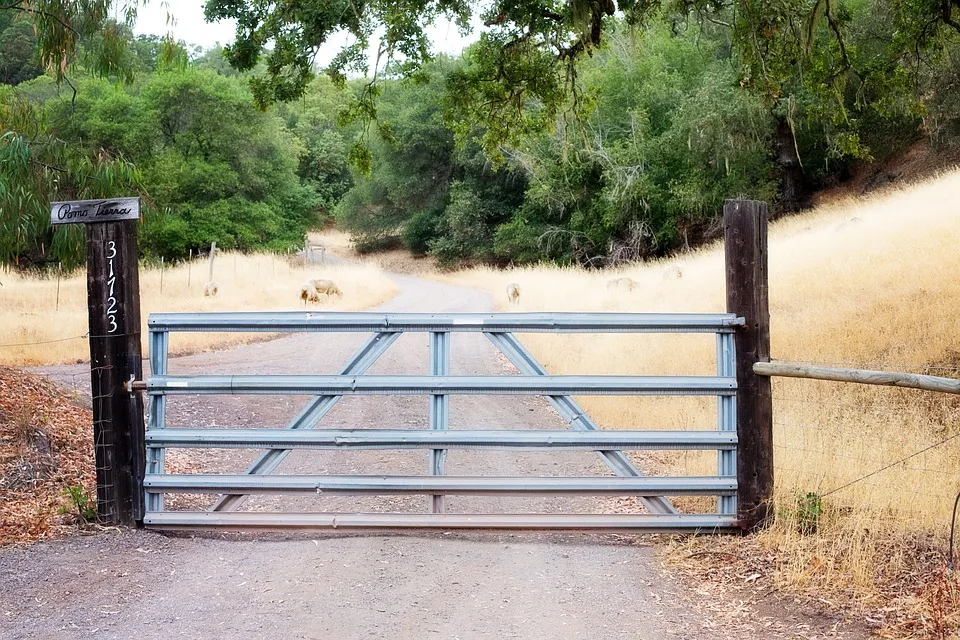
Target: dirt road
{"points": [[143, 585]]}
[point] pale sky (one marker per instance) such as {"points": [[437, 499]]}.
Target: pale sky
{"points": [[190, 27]]}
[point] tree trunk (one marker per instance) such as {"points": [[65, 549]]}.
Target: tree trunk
{"points": [[793, 188]]}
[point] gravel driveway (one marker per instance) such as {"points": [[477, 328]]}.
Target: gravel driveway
{"points": [[139, 584]]}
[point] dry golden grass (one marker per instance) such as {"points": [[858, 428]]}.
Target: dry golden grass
{"points": [[255, 282], [873, 283]]}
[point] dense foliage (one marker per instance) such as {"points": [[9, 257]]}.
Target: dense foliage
{"points": [[19, 60], [528, 49], [668, 126], [189, 140]]}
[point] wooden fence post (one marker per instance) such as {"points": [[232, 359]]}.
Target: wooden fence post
{"points": [[113, 296], [745, 243]]}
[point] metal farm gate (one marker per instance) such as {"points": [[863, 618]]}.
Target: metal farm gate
{"points": [[326, 390]]}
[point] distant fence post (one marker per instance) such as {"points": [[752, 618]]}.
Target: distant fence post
{"points": [[113, 301], [745, 243]]}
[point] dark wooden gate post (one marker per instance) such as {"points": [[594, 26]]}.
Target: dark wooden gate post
{"points": [[745, 243], [113, 301], [115, 358]]}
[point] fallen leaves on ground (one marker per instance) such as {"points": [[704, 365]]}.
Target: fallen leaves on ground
{"points": [[921, 600], [46, 446]]}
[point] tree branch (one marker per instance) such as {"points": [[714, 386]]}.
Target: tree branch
{"points": [[16, 6], [48, 166], [836, 32]]}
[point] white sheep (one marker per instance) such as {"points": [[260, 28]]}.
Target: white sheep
{"points": [[622, 284], [513, 293], [308, 293], [673, 272], [328, 287]]}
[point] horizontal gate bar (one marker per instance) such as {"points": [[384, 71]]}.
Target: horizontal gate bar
{"points": [[414, 439], [285, 321], [426, 385], [437, 485], [371, 522]]}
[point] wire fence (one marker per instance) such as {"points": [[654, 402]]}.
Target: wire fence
{"points": [[39, 342], [893, 452], [103, 440]]}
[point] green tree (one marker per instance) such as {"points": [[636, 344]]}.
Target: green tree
{"points": [[18, 51], [315, 121], [181, 129], [527, 45], [839, 77], [412, 163], [212, 187], [423, 185], [36, 165], [668, 137], [809, 60]]}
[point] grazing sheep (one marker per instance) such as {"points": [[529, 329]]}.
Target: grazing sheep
{"points": [[673, 272], [622, 284], [513, 293], [308, 293], [328, 287]]}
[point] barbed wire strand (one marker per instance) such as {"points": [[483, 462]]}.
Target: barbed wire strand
{"points": [[83, 337], [892, 464], [30, 344]]}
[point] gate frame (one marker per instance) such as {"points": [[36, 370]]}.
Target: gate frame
{"points": [[533, 380], [745, 244]]}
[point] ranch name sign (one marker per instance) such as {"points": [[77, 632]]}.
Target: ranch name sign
{"points": [[107, 210]]}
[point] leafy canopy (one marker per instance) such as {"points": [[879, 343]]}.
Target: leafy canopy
{"points": [[527, 50]]}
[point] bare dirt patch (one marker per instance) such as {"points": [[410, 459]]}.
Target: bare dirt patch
{"points": [[919, 162]]}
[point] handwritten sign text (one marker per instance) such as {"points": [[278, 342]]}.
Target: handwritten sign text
{"points": [[85, 211]]}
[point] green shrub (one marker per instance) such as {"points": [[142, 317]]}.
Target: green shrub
{"points": [[80, 500], [419, 232]]}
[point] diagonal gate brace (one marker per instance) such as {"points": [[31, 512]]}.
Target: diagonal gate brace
{"points": [[268, 461], [570, 411]]}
